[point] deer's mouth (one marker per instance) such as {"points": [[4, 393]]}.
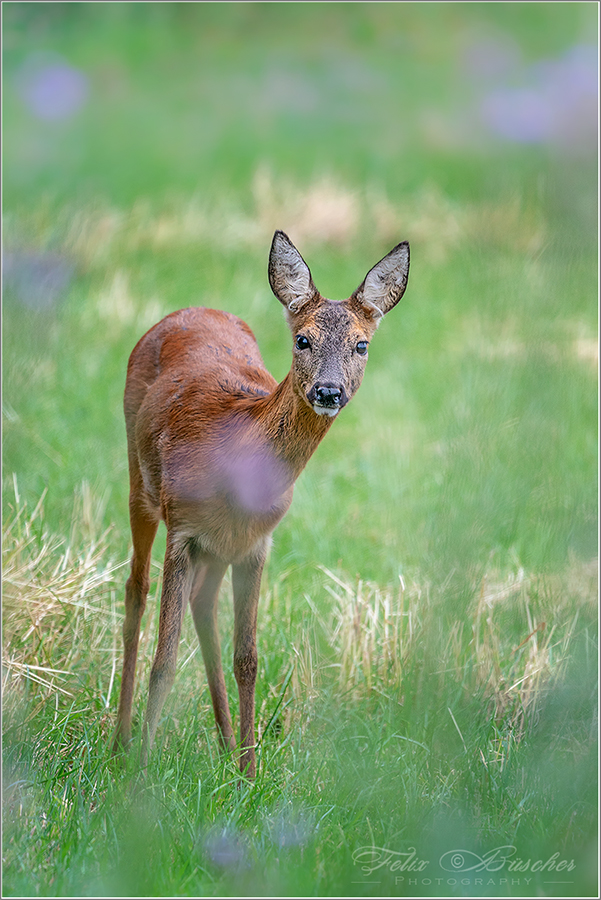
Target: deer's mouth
{"points": [[325, 410]]}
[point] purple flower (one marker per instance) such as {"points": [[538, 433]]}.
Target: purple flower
{"points": [[51, 88], [37, 279], [521, 114], [554, 101]]}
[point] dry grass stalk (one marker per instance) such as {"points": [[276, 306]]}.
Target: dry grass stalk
{"points": [[375, 634], [372, 631], [53, 592], [516, 678]]}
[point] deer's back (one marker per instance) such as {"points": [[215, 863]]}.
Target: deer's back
{"points": [[207, 345]]}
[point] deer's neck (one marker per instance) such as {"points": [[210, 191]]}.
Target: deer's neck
{"points": [[293, 429]]}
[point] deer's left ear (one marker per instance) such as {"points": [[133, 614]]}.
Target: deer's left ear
{"points": [[385, 284]]}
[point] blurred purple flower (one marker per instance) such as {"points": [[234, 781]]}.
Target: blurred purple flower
{"points": [[51, 88], [36, 279], [226, 849], [555, 102], [255, 478], [249, 474], [521, 114]]}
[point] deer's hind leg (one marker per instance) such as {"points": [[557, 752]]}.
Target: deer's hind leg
{"points": [[144, 528], [247, 583], [204, 602], [177, 581]]}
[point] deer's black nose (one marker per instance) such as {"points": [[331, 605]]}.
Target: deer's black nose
{"points": [[326, 395]]}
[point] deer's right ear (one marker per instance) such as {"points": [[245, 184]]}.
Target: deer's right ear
{"points": [[289, 274]]}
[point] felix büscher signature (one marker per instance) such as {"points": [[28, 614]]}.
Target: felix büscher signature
{"points": [[501, 858]]}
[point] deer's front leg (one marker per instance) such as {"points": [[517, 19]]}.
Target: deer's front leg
{"points": [[246, 578], [177, 579], [203, 602]]}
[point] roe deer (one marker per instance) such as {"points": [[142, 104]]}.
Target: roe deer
{"points": [[215, 446]]}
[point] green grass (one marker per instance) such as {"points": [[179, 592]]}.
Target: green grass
{"points": [[378, 725], [427, 630]]}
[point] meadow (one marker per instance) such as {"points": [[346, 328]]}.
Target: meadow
{"points": [[427, 636]]}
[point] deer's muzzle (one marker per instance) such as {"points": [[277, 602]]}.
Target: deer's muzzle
{"points": [[327, 399]]}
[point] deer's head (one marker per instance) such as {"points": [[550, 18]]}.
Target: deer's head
{"points": [[331, 338]]}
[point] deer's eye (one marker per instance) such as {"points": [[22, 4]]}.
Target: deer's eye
{"points": [[302, 343], [361, 348]]}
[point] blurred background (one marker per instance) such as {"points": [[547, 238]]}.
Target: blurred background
{"points": [[149, 152]]}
